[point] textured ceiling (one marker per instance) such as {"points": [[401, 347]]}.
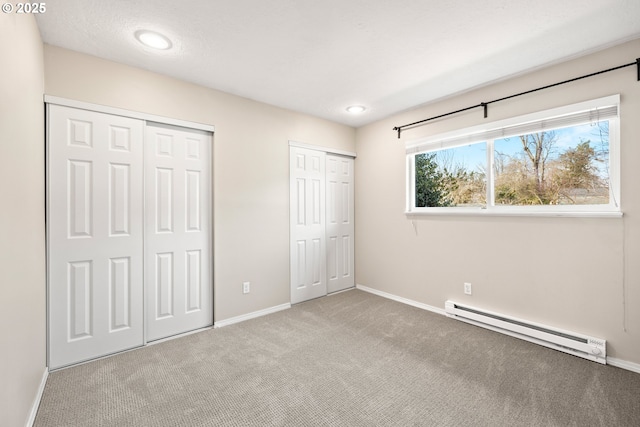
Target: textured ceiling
{"points": [[320, 56]]}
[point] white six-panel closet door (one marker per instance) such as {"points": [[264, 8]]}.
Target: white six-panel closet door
{"points": [[340, 223], [307, 224], [177, 243], [94, 223]]}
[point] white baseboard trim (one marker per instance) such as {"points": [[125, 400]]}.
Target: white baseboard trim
{"points": [[252, 315], [618, 363], [401, 299], [38, 398]]}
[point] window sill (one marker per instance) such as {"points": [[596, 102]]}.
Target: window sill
{"points": [[491, 213]]}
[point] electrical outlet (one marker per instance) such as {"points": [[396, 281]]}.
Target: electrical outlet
{"points": [[246, 287], [467, 288]]}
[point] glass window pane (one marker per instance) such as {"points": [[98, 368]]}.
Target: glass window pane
{"points": [[453, 177], [567, 166]]}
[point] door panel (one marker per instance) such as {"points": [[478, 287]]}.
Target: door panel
{"points": [[193, 280], [308, 241], [94, 229], [178, 215], [119, 184], [340, 225], [119, 292]]}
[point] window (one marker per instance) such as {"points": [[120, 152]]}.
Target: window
{"points": [[557, 162]]}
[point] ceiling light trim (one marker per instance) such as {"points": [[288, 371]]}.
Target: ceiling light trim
{"points": [[153, 39], [356, 109]]}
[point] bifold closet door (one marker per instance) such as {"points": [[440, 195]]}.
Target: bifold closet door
{"points": [[94, 226], [307, 224], [178, 272], [340, 225]]}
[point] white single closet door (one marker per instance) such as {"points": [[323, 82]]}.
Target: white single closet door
{"points": [[94, 226], [178, 272], [307, 224], [340, 225]]}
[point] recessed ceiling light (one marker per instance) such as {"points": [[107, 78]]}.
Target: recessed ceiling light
{"points": [[355, 109], [153, 39]]}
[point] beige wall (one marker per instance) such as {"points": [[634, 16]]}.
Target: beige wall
{"points": [[22, 251], [251, 165], [578, 274]]}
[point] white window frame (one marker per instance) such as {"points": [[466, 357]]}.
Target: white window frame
{"points": [[570, 115]]}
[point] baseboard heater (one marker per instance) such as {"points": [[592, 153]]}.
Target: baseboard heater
{"points": [[568, 342]]}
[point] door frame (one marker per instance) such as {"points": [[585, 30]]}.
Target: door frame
{"points": [[327, 150], [48, 99]]}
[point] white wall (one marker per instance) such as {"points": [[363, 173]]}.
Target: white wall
{"points": [[251, 166], [577, 274], [22, 250]]}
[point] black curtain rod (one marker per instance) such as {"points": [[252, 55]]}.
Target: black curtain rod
{"points": [[484, 105]]}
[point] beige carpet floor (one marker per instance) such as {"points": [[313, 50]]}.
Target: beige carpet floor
{"points": [[351, 359]]}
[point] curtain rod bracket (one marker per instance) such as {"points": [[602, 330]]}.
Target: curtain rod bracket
{"points": [[484, 105], [399, 129], [638, 65]]}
